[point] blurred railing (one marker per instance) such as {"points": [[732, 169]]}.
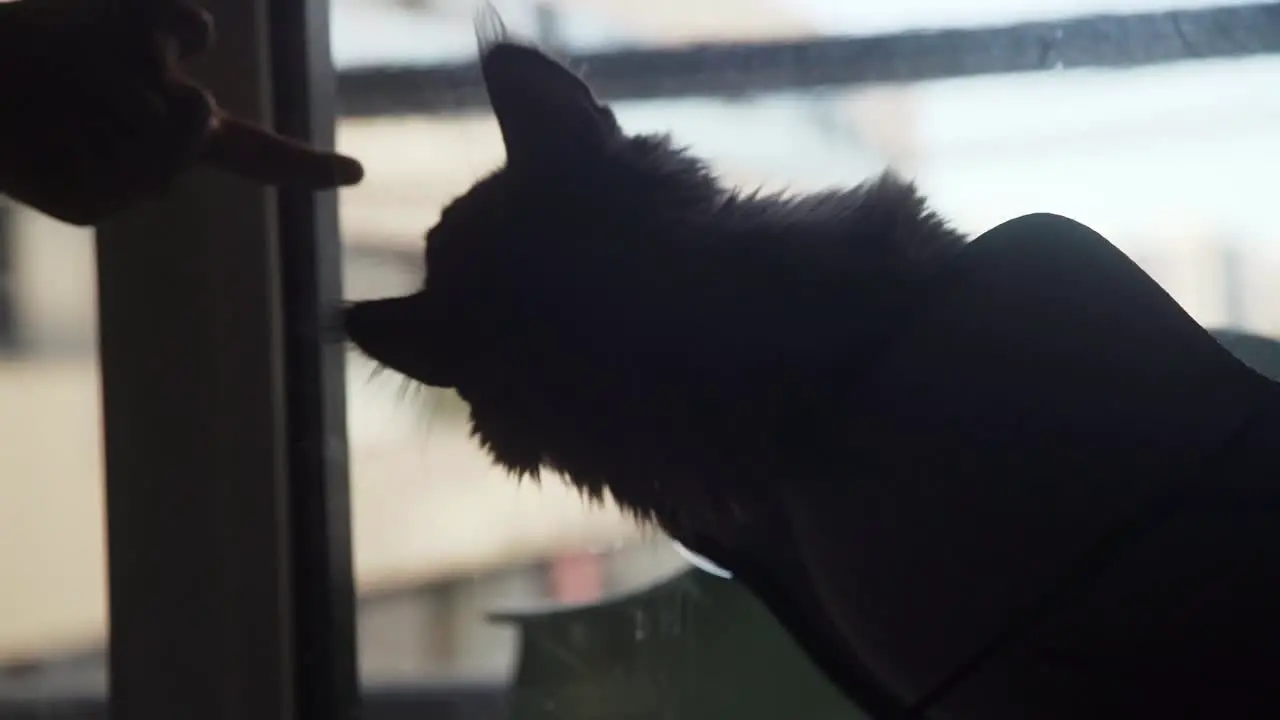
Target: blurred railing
{"points": [[737, 69]]}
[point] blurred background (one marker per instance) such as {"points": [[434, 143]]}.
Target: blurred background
{"points": [[1155, 131]]}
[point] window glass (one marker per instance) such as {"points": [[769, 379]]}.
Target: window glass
{"points": [[52, 558], [1165, 160]]}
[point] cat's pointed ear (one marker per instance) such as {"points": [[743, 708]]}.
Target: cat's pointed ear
{"points": [[544, 110]]}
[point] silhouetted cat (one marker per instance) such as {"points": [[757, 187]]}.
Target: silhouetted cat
{"points": [[720, 363], [611, 310]]}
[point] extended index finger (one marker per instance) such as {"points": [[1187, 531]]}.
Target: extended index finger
{"points": [[262, 156]]}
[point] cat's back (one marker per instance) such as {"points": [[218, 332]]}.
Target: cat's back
{"points": [[995, 512]]}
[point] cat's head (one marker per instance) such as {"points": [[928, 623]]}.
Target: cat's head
{"points": [[609, 310], [533, 274]]}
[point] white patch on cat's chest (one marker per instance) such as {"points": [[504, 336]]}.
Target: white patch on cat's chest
{"points": [[701, 562]]}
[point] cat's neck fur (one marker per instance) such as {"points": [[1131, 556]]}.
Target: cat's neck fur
{"points": [[727, 320]]}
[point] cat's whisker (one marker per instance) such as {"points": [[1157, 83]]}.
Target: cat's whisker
{"points": [[376, 369]]}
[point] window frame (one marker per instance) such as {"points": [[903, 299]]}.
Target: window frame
{"points": [[229, 559], [305, 106]]}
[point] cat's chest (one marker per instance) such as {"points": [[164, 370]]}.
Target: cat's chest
{"points": [[733, 510]]}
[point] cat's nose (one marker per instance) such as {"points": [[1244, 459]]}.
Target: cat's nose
{"points": [[398, 333], [381, 328], [332, 324]]}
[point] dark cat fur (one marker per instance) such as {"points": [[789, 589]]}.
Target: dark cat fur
{"points": [[610, 310]]}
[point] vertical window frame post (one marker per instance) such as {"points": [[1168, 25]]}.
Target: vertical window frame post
{"points": [[216, 482]]}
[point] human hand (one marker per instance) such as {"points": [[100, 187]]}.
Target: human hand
{"points": [[96, 113]]}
